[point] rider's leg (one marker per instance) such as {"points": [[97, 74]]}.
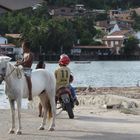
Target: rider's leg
{"points": [[29, 87], [73, 93], [72, 90]]}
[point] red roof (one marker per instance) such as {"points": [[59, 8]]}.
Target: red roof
{"points": [[18, 4], [122, 32], [7, 45], [13, 35]]}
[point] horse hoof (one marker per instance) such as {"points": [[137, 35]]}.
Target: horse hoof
{"points": [[19, 132], [11, 132], [41, 128], [51, 129]]}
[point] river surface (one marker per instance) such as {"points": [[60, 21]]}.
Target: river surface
{"points": [[104, 73], [95, 74]]}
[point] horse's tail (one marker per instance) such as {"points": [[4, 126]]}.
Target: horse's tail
{"points": [[46, 104], [49, 110]]}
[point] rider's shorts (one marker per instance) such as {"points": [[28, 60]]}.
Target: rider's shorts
{"points": [[27, 71]]}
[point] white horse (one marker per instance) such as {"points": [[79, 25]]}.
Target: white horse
{"points": [[16, 89]]}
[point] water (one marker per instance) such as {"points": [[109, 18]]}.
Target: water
{"points": [[96, 74], [104, 73]]}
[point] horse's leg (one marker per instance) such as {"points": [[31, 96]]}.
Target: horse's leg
{"points": [[53, 111], [12, 105], [42, 127], [43, 100], [19, 116]]}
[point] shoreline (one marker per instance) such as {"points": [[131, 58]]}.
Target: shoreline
{"points": [[131, 92], [125, 98]]}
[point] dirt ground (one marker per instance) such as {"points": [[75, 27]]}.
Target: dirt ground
{"points": [[91, 122], [88, 124]]}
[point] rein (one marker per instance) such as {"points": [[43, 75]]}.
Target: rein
{"points": [[19, 75]]}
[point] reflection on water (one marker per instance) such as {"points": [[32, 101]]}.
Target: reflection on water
{"points": [[96, 74]]}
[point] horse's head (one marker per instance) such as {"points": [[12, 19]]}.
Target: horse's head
{"points": [[3, 65]]}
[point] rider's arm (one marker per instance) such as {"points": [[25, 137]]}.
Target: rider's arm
{"points": [[26, 60], [19, 62]]}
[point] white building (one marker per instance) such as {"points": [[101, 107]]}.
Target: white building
{"points": [[3, 40], [137, 35]]}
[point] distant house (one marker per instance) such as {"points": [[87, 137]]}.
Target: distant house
{"points": [[122, 18], [69, 12], [113, 13], [116, 40], [10, 50], [80, 7], [137, 35], [59, 12], [10, 5], [126, 15], [2, 11], [108, 25], [122, 24], [116, 28], [137, 10], [7, 49], [98, 11], [16, 36], [102, 25]]}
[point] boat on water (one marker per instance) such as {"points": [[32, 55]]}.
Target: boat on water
{"points": [[82, 62]]}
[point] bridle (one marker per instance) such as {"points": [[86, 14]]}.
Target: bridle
{"points": [[18, 72], [6, 76]]}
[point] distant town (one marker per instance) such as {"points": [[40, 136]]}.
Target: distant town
{"points": [[112, 35]]}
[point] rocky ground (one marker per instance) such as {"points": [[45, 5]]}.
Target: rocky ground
{"points": [[125, 99]]}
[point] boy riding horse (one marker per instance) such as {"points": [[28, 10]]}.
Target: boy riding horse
{"points": [[26, 62]]}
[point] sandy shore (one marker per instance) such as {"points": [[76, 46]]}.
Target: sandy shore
{"points": [[92, 119]]}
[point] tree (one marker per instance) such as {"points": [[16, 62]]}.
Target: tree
{"points": [[86, 38], [84, 29], [136, 25], [131, 45], [60, 36]]}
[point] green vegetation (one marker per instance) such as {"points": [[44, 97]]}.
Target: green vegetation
{"points": [[50, 34], [136, 18], [131, 45], [58, 35], [99, 4]]}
